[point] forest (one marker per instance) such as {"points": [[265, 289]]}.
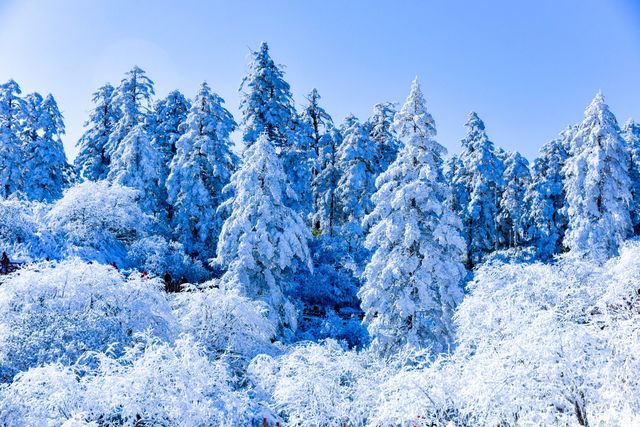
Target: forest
{"points": [[312, 273]]}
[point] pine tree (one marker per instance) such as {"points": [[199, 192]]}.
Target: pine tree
{"points": [[513, 211], [201, 168], [597, 185], [13, 111], [383, 136], [267, 107], [413, 282], [44, 157], [631, 134], [325, 184], [263, 236], [132, 99], [94, 158], [481, 176], [546, 199]]}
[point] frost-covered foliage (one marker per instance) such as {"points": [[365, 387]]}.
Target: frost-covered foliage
{"points": [[13, 110], [94, 156], [225, 322], [597, 185], [480, 177], [52, 312], [319, 384], [631, 134], [512, 215], [97, 221], [383, 136], [413, 282], [200, 170], [153, 383], [165, 122], [263, 236], [327, 209], [156, 255], [22, 230], [545, 198], [44, 158]]}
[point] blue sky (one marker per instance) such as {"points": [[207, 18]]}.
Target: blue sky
{"points": [[529, 68]]}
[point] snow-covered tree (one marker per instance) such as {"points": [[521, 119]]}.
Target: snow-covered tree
{"points": [[44, 157], [383, 136], [94, 156], [513, 211], [597, 185], [267, 107], [263, 236], [631, 134], [546, 199], [132, 98], [413, 282], [481, 177], [13, 110], [200, 170], [137, 164], [325, 184]]}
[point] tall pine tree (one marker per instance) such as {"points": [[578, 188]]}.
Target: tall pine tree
{"points": [[631, 134], [13, 111], [512, 215], [597, 185], [201, 168], [413, 282]]}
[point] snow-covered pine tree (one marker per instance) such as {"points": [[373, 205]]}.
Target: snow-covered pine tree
{"points": [[481, 176], [597, 185], [200, 169], [413, 282], [136, 161], [44, 157], [263, 236], [132, 99], [94, 158], [325, 184], [383, 136], [13, 111], [631, 134], [513, 211], [546, 199], [267, 107]]}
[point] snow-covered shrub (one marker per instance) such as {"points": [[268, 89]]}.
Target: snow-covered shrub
{"points": [[153, 383], [56, 312], [98, 221], [319, 384], [224, 321], [21, 230], [156, 255]]}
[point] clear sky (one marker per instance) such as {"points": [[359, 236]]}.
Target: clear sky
{"points": [[529, 68]]}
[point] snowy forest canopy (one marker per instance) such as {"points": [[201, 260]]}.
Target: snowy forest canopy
{"points": [[331, 273]]}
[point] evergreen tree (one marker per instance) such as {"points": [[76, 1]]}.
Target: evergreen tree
{"points": [[513, 212], [631, 134], [325, 184], [383, 136], [481, 177], [44, 157], [94, 158], [413, 282], [263, 236], [201, 168], [132, 99], [13, 111], [546, 199], [597, 185]]}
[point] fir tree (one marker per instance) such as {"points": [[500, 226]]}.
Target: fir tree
{"points": [[383, 136], [94, 158], [631, 134], [44, 157], [597, 185], [201, 168], [481, 177], [413, 282], [13, 111], [513, 211], [545, 196], [325, 185], [263, 236]]}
